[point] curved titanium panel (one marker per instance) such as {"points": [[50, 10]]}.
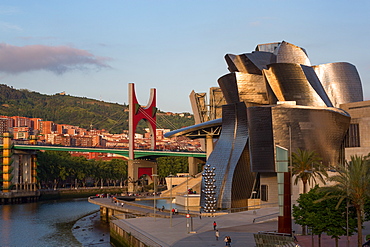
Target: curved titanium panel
{"points": [[249, 88], [261, 59], [240, 177], [252, 63], [228, 85], [268, 47], [261, 142], [312, 128], [341, 81], [289, 53], [220, 156], [320, 129], [241, 63], [225, 158], [316, 84], [289, 83], [243, 181]]}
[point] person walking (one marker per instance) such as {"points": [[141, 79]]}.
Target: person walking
{"points": [[229, 240], [214, 225], [217, 234], [200, 214], [226, 240]]}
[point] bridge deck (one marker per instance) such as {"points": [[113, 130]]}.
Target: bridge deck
{"points": [[123, 152]]}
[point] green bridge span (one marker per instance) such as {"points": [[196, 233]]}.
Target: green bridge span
{"points": [[124, 152]]}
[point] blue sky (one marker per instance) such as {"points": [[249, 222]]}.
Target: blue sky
{"points": [[95, 48]]}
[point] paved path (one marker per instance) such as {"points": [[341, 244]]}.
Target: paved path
{"points": [[239, 226]]}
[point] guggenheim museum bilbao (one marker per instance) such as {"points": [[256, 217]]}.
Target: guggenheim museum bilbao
{"points": [[272, 97]]}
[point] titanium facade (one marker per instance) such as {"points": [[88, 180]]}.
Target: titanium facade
{"points": [[275, 97], [316, 129], [288, 103], [341, 82]]}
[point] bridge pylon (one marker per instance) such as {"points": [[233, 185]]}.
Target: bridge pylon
{"points": [[137, 113], [7, 163], [19, 168]]}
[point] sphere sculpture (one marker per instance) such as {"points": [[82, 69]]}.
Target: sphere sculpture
{"points": [[209, 189]]}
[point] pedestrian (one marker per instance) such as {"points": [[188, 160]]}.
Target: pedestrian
{"points": [[229, 240], [226, 240], [217, 234], [214, 225], [122, 204], [200, 214], [176, 211], [173, 211]]}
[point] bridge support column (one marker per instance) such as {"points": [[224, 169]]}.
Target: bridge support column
{"points": [[193, 165], [137, 168], [24, 170], [7, 162], [209, 145], [34, 172], [131, 176], [103, 214]]}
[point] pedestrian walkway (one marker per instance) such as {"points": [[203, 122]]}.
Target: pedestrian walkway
{"points": [[239, 226], [196, 232]]}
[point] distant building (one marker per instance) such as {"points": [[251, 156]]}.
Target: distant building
{"points": [[4, 123], [47, 127], [64, 140]]}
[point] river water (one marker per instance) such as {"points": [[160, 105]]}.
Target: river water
{"points": [[73, 222]]}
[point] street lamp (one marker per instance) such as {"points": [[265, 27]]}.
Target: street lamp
{"points": [[187, 192], [170, 199], [290, 175], [187, 201], [254, 201], [155, 189]]}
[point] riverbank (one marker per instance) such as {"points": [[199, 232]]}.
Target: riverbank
{"points": [[78, 193], [91, 231], [17, 197]]}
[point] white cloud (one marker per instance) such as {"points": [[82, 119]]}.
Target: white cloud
{"points": [[57, 59]]}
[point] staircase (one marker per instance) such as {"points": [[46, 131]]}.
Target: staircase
{"points": [[193, 183]]}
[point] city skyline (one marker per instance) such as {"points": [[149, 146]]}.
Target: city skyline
{"points": [[95, 50]]}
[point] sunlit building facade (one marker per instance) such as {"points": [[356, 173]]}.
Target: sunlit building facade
{"points": [[275, 97]]}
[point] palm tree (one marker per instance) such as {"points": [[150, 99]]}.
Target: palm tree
{"points": [[306, 166], [352, 182]]}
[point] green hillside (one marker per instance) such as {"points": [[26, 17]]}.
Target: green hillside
{"points": [[82, 112]]}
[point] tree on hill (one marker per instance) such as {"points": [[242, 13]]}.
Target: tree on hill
{"points": [[78, 111]]}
